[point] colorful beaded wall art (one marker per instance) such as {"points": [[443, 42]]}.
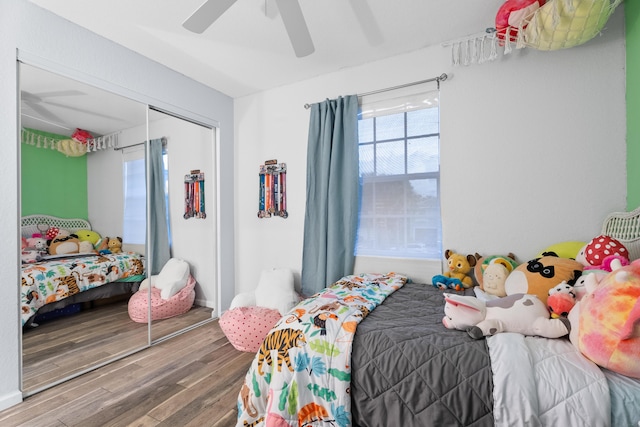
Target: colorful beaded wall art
{"points": [[273, 190]]}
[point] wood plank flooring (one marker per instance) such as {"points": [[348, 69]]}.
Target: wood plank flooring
{"points": [[192, 379], [71, 344]]}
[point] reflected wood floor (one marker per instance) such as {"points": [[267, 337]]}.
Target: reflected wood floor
{"points": [[192, 379], [71, 344]]}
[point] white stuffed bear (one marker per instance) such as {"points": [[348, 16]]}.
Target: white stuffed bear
{"points": [[275, 290]]}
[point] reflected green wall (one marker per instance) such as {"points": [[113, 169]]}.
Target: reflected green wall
{"points": [[53, 183], [632, 22]]}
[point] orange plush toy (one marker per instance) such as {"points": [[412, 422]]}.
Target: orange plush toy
{"points": [[605, 324]]}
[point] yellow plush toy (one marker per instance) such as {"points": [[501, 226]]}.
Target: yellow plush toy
{"points": [[457, 277], [115, 244]]}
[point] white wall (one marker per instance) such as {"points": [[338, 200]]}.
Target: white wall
{"points": [[532, 149], [46, 39]]}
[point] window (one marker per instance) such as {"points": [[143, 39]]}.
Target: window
{"points": [[135, 195], [400, 177]]}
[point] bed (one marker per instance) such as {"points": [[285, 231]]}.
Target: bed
{"points": [[403, 367], [56, 282]]}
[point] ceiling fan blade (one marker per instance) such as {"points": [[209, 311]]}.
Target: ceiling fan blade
{"points": [[41, 111], [296, 27], [84, 111], [206, 14]]}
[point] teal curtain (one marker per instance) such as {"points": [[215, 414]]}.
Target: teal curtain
{"points": [[158, 225], [331, 217]]}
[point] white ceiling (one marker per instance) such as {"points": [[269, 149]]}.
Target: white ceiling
{"points": [[247, 50]]}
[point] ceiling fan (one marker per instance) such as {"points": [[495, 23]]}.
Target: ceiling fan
{"points": [[42, 110], [290, 11]]}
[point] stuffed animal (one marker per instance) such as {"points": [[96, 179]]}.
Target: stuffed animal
{"points": [[85, 247], [592, 255], [514, 15], [38, 243], [494, 278], [561, 300], [115, 244], [88, 236], [539, 275], [605, 323], [62, 245], [457, 277], [497, 275], [521, 313]]}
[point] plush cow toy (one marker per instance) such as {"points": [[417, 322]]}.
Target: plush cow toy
{"points": [[521, 313]]}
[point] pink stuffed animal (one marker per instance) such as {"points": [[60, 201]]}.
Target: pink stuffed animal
{"points": [[605, 324]]}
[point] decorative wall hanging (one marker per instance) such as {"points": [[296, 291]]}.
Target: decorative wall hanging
{"points": [[74, 146], [194, 195], [536, 24], [273, 190]]}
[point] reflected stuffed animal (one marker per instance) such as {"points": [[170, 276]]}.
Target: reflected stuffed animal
{"points": [[115, 245]]}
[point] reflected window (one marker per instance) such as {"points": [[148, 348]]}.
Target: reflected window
{"points": [[135, 195]]}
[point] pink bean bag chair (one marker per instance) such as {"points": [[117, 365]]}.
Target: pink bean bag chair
{"points": [[246, 327], [179, 303]]}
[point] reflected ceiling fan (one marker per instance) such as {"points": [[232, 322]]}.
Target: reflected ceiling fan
{"points": [[290, 11], [41, 107]]}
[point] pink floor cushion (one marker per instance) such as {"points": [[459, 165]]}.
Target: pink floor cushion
{"points": [[178, 304], [247, 327]]}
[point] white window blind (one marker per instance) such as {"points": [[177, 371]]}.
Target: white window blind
{"points": [[135, 195], [400, 174]]}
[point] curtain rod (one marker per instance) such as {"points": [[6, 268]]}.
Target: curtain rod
{"points": [[442, 77], [164, 142]]}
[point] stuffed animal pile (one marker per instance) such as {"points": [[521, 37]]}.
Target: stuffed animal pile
{"points": [[594, 298], [56, 241]]}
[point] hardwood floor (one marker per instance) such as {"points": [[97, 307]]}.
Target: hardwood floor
{"points": [[71, 344], [192, 379]]}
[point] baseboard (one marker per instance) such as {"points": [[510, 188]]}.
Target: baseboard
{"points": [[10, 399]]}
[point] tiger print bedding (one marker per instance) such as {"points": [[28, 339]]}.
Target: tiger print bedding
{"points": [[301, 374], [54, 280]]}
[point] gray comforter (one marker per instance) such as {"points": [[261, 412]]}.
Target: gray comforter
{"points": [[409, 370]]}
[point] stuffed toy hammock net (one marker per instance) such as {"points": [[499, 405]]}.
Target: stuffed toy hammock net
{"points": [[556, 24]]}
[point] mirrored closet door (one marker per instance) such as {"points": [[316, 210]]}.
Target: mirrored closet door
{"points": [[84, 244], [186, 285]]}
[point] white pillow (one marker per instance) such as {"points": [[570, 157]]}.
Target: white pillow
{"points": [[172, 278], [276, 291]]}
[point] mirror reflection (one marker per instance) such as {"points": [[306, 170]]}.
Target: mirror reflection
{"points": [[110, 262], [78, 269], [183, 284]]}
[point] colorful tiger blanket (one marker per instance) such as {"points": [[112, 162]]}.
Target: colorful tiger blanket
{"points": [[301, 374], [56, 279]]}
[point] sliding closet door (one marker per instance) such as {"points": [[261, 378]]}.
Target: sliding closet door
{"points": [[82, 177], [185, 287]]}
